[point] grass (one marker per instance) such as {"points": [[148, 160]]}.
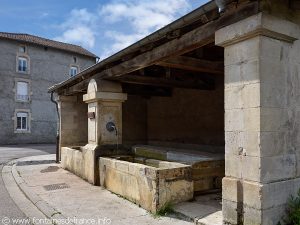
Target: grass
{"points": [[292, 212], [168, 208]]}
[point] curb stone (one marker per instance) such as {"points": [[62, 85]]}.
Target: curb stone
{"points": [[35, 207]]}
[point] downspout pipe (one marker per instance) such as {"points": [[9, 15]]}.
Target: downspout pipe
{"points": [[221, 5], [58, 128]]}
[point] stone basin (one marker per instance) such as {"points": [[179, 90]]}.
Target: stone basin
{"points": [[150, 183], [208, 168]]}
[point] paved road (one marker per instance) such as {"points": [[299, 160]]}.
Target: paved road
{"points": [[8, 153]]}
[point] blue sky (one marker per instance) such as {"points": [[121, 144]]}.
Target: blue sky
{"points": [[102, 26]]}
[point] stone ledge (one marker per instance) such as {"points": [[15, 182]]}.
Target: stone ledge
{"points": [[260, 24], [104, 96]]}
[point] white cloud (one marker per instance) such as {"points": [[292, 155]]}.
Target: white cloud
{"points": [[119, 41], [119, 23], [78, 35], [143, 17], [79, 28]]}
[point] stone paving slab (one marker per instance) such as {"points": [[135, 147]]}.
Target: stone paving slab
{"points": [[85, 201], [204, 210]]}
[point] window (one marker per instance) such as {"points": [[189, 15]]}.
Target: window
{"points": [[22, 91], [22, 49], [73, 71], [74, 59], [22, 64], [22, 121]]}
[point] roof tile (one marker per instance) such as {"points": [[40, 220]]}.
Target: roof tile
{"points": [[46, 42]]}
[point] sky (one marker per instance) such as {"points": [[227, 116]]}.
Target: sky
{"points": [[102, 26]]}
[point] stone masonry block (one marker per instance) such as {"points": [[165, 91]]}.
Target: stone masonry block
{"points": [[273, 119], [243, 143], [247, 50], [277, 168], [267, 196], [234, 140], [270, 48], [273, 96], [242, 119], [230, 189], [251, 168], [233, 166], [242, 96], [273, 143], [234, 120], [230, 214], [233, 97], [252, 119], [263, 217], [271, 72], [246, 72]]}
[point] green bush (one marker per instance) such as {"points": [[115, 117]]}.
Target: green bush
{"points": [[293, 211]]}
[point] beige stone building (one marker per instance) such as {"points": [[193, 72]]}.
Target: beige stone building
{"points": [[157, 121]]}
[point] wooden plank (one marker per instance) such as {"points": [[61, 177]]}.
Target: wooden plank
{"points": [[164, 82], [147, 91], [192, 40], [193, 64]]}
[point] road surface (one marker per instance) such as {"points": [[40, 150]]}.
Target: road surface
{"points": [[7, 153]]}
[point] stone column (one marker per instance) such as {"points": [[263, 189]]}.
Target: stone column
{"points": [[104, 105], [261, 118], [73, 128], [104, 102]]}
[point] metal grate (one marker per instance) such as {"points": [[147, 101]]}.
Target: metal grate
{"points": [[50, 169], [53, 187]]}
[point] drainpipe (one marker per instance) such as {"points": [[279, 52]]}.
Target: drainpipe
{"points": [[221, 5], [57, 131]]}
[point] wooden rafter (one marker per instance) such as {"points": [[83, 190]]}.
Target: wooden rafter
{"points": [[189, 41], [193, 64], [165, 82]]}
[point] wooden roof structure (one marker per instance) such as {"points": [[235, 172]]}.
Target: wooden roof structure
{"points": [[182, 54]]}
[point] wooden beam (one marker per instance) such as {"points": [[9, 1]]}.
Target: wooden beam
{"points": [[164, 82], [146, 90], [77, 88], [193, 64], [194, 39]]}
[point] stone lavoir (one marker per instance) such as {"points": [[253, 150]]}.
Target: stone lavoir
{"points": [[213, 96], [150, 176]]}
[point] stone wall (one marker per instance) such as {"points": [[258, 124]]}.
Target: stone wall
{"points": [[47, 67], [81, 161], [135, 120], [189, 117]]}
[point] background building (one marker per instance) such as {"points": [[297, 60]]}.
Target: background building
{"points": [[28, 66]]}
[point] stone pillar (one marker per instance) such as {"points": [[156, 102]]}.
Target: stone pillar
{"points": [[73, 128], [262, 110], [104, 105]]}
